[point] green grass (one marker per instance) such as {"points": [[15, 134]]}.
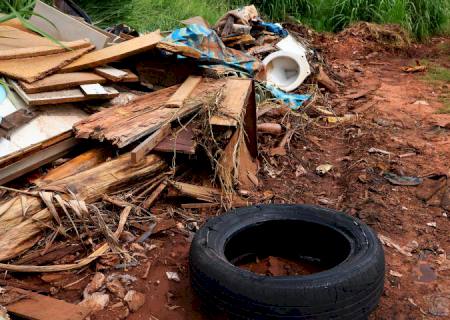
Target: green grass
{"points": [[439, 76]]}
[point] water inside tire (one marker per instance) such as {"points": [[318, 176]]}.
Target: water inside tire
{"points": [[287, 247]]}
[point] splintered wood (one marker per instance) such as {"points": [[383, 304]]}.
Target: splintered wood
{"points": [[122, 125], [20, 232], [183, 92], [62, 81], [150, 143]]}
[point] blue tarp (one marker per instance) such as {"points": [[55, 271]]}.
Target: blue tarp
{"points": [[274, 28], [198, 42], [292, 100]]}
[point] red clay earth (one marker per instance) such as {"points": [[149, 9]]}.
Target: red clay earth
{"points": [[399, 117]]}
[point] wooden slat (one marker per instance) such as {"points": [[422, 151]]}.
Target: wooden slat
{"points": [[61, 81], [111, 73], [35, 306], [67, 27], [124, 124], [17, 44], [183, 92], [94, 90], [60, 96], [130, 77], [33, 69], [236, 94], [148, 144], [115, 52]]}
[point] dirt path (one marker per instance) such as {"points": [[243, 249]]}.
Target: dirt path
{"points": [[397, 114]]}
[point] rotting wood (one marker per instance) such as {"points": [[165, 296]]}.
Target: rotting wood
{"points": [[55, 253], [60, 96], [35, 306], [116, 52], [61, 81], [150, 143], [88, 186], [83, 162], [236, 94], [199, 205], [183, 92], [36, 68], [111, 73], [272, 128], [324, 80], [16, 44], [124, 124]]}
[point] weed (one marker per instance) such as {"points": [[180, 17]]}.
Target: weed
{"points": [[439, 77]]}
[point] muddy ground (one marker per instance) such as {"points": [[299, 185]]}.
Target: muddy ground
{"points": [[397, 113]]}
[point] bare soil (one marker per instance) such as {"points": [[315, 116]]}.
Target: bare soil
{"points": [[398, 115]]}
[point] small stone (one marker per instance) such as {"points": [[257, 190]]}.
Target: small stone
{"points": [[96, 302], [135, 300], [432, 224], [173, 276], [96, 283], [395, 274], [116, 287]]}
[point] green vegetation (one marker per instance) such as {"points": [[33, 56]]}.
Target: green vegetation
{"points": [[421, 17], [439, 77]]}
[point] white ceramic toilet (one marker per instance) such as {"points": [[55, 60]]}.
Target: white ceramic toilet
{"points": [[287, 68]]}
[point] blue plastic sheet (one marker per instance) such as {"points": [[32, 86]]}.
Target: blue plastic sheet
{"points": [[292, 100], [274, 28], [198, 42]]}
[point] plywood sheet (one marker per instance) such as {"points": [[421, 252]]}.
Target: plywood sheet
{"points": [[60, 81], [32, 69], [67, 27], [115, 52]]}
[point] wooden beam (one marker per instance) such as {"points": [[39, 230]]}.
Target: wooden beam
{"points": [[35, 306], [183, 92], [150, 143], [115, 52], [235, 97]]}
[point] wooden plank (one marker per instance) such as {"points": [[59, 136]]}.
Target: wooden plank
{"points": [[111, 73], [181, 142], [60, 96], [115, 52], [36, 160], [236, 94], [151, 142], [35, 306], [61, 81], [130, 77], [83, 162], [16, 44], [33, 69], [67, 27], [15, 23], [183, 92], [124, 124]]}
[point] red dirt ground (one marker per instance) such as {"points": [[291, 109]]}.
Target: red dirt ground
{"points": [[417, 286]]}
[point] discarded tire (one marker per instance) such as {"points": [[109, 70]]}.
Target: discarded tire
{"points": [[349, 288]]}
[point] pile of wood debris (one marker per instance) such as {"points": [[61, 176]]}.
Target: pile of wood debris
{"points": [[83, 178]]}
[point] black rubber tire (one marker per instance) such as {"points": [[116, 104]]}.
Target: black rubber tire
{"points": [[349, 290]]}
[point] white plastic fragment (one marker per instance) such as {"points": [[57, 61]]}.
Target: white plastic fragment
{"points": [[173, 276]]}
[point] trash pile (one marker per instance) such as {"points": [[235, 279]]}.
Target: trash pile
{"points": [[97, 127]]}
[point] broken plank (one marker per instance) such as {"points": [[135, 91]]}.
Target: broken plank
{"points": [[60, 96], [35, 306], [115, 52], [154, 196], [33, 69], [61, 81], [111, 73], [125, 124], [201, 193], [236, 94], [183, 92], [151, 142]]}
